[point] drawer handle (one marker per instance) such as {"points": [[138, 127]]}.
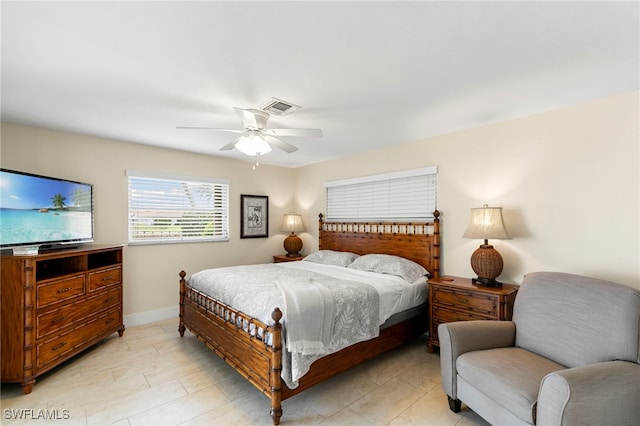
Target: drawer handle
{"points": [[58, 346], [462, 300], [106, 279], [64, 290], [109, 321], [109, 300], [57, 319]]}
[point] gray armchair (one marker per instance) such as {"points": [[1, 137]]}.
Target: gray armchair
{"points": [[570, 356]]}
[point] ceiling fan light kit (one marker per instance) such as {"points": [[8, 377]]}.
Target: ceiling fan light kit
{"points": [[256, 140], [252, 144]]}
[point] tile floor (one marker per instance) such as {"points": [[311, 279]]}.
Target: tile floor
{"points": [[151, 376]]}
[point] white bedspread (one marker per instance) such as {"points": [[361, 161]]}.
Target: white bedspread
{"points": [[310, 312], [362, 302]]}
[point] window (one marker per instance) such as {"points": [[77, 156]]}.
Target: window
{"points": [[409, 195], [168, 209]]}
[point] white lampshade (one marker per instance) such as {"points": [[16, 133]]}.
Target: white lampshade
{"points": [[253, 144], [292, 223], [486, 223]]}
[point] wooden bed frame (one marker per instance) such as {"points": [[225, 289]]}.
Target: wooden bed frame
{"points": [[238, 339]]}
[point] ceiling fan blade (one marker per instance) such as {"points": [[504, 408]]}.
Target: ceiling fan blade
{"points": [[209, 128], [309, 133], [279, 143], [230, 145], [252, 118]]}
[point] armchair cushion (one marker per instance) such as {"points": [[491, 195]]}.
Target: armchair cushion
{"points": [[509, 376], [457, 338]]}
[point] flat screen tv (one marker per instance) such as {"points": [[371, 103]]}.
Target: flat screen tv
{"points": [[42, 211]]}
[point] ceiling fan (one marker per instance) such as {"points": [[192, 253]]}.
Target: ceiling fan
{"points": [[255, 139]]}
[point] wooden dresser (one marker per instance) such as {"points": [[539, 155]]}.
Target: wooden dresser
{"points": [[55, 305], [458, 299]]}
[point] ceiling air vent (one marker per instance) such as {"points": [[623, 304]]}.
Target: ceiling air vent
{"points": [[278, 107]]}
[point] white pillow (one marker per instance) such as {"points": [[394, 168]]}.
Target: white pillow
{"points": [[331, 257], [389, 264]]}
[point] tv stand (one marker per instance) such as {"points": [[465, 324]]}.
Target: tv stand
{"points": [[55, 305]]}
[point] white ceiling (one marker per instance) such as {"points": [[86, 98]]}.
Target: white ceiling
{"points": [[369, 74]]}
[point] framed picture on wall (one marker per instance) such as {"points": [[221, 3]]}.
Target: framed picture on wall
{"points": [[254, 216]]}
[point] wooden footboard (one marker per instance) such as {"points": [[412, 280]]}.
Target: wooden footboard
{"points": [[238, 339]]}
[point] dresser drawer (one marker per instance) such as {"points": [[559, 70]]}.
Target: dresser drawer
{"points": [[51, 350], [52, 321], [104, 278], [59, 290], [480, 303]]}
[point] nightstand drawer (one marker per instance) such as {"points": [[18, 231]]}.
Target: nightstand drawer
{"points": [[441, 315], [486, 304]]}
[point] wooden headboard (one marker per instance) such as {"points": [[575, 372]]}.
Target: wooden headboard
{"points": [[419, 242]]}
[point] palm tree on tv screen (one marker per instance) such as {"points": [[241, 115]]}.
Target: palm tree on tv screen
{"points": [[58, 201]]}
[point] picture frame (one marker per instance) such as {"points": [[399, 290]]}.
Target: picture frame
{"points": [[254, 216]]}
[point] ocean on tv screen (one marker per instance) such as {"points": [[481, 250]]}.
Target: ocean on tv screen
{"points": [[19, 226]]}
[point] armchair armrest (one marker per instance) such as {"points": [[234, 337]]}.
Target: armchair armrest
{"points": [[457, 338], [596, 394]]}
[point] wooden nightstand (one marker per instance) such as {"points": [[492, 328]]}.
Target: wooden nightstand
{"points": [[458, 299], [283, 258]]}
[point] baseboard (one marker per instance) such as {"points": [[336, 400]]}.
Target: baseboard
{"points": [[151, 316]]}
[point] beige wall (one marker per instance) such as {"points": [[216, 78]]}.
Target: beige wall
{"points": [[151, 272], [567, 180]]}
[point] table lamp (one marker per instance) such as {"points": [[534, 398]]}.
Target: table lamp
{"points": [[292, 244], [485, 223]]}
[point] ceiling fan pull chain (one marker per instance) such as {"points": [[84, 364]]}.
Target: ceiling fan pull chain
{"points": [[257, 161]]}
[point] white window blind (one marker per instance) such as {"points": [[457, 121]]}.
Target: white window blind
{"points": [[165, 208], [409, 195]]}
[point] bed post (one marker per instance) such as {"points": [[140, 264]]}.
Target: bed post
{"points": [[436, 244], [320, 217], [276, 367], [181, 327]]}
